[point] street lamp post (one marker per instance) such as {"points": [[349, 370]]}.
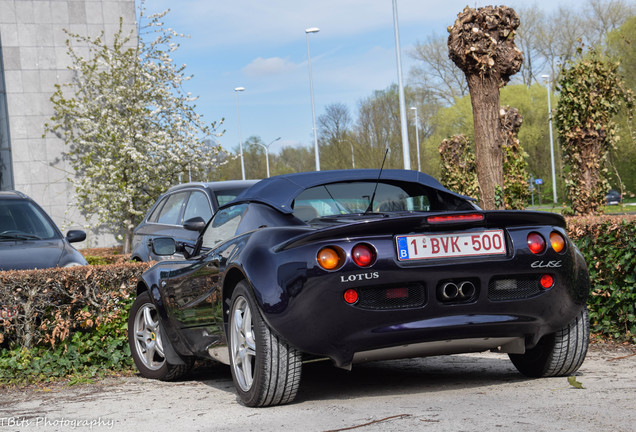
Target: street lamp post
{"points": [[353, 161], [417, 138], [405, 136], [238, 120], [554, 189], [311, 90], [266, 147]]}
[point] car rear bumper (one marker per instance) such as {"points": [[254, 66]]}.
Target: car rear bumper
{"points": [[317, 320]]}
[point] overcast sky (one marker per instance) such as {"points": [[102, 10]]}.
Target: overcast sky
{"points": [[261, 45]]}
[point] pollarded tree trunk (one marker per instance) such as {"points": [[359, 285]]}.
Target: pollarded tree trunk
{"points": [[481, 44], [484, 96]]}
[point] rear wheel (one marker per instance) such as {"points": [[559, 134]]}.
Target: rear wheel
{"points": [[557, 354], [266, 371], [147, 344]]}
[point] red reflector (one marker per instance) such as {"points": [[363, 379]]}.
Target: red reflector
{"points": [[351, 296], [547, 281], [396, 293], [473, 217], [536, 243]]}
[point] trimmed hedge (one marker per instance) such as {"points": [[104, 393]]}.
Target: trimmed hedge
{"points": [[62, 321], [608, 244], [73, 321]]}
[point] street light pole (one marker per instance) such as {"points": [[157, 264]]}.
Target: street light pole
{"points": [[266, 147], [554, 189], [311, 90], [417, 138], [238, 120], [405, 135]]}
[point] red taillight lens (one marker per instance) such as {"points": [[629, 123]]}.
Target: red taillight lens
{"points": [[351, 296], [557, 241], [363, 255], [330, 258], [547, 281], [536, 243]]}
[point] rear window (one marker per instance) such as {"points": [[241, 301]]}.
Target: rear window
{"points": [[225, 196], [355, 198]]}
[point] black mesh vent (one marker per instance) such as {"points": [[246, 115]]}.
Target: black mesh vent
{"points": [[514, 289], [391, 297]]}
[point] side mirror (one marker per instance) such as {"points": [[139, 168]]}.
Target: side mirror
{"points": [[164, 246], [74, 236], [195, 224]]}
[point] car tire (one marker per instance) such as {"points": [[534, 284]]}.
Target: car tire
{"points": [[266, 371], [557, 354], [147, 344]]}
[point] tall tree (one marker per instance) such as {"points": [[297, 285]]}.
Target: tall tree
{"points": [[621, 44], [532, 20], [334, 137], [516, 192], [481, 43], [129, 129], [458, 166], [436, 72], [603, 16], [378, 128], [591, 94]]}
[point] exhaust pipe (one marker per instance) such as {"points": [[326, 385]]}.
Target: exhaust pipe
{"points": [[466, 289], [450, 291], [457, 291]]}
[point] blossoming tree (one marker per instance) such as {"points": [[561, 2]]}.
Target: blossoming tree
{"points": [[130, 130]]}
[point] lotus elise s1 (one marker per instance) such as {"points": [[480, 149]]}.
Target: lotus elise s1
{"points": [[355, 266]]}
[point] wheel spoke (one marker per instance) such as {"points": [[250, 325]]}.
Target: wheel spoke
{"points": [[150, 354], [159, 347], [149, 323]]}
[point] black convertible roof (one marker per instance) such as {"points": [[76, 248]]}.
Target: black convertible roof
{"points": [[280, 191]]}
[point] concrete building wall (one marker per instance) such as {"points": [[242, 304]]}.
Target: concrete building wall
{"points": [[33, 59]]}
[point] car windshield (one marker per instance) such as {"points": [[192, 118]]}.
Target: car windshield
{"points": [[355, 198], [21, 220]]}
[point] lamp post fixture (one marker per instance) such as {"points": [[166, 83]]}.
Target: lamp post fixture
{"points": [[417, 138], [311, 90], [405, 132], [238, 120], [266, 147], [554, 190], [353, 161]]}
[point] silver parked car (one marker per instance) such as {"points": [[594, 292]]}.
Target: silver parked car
{"points": [[179, 204]]}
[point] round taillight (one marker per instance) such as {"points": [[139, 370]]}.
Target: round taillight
{"points": [[547, 281], [536, 243], [330, 258], [363, 255], [351, 296], [557, 241]]}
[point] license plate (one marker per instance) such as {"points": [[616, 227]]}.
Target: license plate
{"points": [[448, 245]]}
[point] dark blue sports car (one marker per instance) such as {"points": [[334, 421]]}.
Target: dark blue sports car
{"points": [[355, 266]]}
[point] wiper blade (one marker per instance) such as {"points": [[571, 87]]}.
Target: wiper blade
{"points": [[21, 236]]}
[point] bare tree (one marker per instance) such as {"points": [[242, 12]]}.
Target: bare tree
{"points": [[437, 73], [559, 38], [481, 43], [603, 16], [532, 21], [334, 137], [378, 127]]}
